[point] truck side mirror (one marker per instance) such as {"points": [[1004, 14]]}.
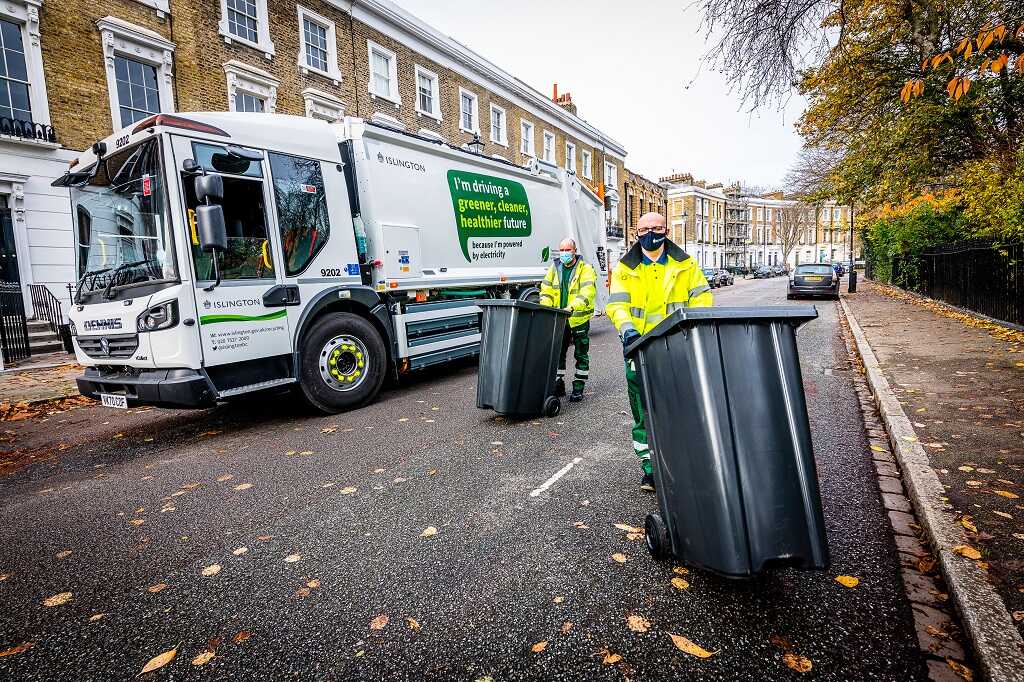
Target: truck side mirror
{"points": [[210, 227], [209, 188]]}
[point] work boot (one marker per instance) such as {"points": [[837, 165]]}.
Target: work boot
{"points": [[647, 482], [576, 395], [559, 387]]}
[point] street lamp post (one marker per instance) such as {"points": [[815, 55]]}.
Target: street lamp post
{"points": [[685, 238], [852, 282]]}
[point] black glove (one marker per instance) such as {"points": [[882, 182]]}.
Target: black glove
{"points": [[628, 337]]}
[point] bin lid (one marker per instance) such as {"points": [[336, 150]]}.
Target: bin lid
{"points": [[691, 317], [516, 303]]}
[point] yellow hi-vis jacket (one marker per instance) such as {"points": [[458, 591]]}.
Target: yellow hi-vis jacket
{"points": [[639, 298], [581, 295]]}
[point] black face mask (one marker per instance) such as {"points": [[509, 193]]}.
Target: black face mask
{"points": [[651, 240]]}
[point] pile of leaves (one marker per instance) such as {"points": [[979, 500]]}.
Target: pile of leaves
{"points": [[14, 412]]}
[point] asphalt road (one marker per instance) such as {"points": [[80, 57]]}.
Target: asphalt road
{"points": [[333, 515]]}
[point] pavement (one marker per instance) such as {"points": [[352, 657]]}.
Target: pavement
{"points": [[39, 384], [959, 380], [401, 541]]}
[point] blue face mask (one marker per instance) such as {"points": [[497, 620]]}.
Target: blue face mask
{"points": [[566, 257], [651, 241]]}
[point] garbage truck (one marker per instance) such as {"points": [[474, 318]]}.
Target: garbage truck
{"points": [[221, 254]]}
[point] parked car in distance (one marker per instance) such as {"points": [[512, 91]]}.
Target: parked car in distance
{"points": [[762, 272], [814, 279], [713, 278], [725, 277], [778, 270]]}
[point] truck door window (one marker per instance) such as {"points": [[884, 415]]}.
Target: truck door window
{"points": [[301, 209]]}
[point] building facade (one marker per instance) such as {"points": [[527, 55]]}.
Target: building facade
{"points": [[85, 70], [697, 217]]}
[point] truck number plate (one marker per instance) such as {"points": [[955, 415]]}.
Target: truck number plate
{"points": [[118, 401]]}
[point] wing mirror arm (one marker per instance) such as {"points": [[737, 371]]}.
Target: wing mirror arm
{"points": [[210, 226]]}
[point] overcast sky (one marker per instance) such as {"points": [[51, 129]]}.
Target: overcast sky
{"points": [[628, 65]]}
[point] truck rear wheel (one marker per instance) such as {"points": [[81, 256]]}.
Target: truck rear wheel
{"points": [[344, 363]]}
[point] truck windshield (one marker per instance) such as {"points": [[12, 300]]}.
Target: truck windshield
{"points": [[121, 228]]}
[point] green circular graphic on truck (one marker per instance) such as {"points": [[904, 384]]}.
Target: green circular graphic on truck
{"points": [[492, 212]]}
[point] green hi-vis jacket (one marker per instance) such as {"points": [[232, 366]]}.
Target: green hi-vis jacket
{"points": [[642, 295], [582, 291]]}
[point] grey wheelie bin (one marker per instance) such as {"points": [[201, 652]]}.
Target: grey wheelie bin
{"points": [[727, 423], [519, 349]]}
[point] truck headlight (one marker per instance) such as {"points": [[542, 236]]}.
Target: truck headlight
{"points": [[163, 316]]}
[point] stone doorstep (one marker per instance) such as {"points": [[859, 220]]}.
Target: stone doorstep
{"points": [[931, 612]]}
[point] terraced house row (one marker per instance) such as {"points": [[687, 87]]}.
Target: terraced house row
{"points": [[75, 71]]}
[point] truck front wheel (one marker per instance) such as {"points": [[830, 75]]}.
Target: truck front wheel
{"points": [[344, 363]]}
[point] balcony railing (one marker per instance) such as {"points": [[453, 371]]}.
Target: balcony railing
{"points": [[27, 130], [615, 232]]}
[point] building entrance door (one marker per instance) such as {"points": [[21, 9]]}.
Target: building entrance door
{"points": [[8, 250]]}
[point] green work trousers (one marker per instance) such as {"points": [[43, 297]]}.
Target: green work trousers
{"points": [[636, 406], [579, 339]]}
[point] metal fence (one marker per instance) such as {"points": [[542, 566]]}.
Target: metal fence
{"points": [[46, 307], [980, 276], [13, 327]]}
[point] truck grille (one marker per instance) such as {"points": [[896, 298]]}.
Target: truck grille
{"points": [[122, 346]]}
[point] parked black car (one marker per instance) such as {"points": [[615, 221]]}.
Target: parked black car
{"points": [[814, 279], [778, 270], [713, 278], [726, 278], [762, 272]]}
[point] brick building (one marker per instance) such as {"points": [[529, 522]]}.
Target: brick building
{"points": [[88, 69]]}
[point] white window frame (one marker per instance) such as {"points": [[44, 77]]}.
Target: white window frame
{"points": [[613, 174], [249, 80], [502, 136], [588, 164], [768, 214], [570, 156], [323, 105], [26, 14], [263, 42], [393, 96], [124, 39], [548, 135], [332, 72], [427, 73], [531, 148], [475, 112]]}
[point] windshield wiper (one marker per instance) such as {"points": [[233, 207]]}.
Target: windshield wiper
{"points": [[118, 269]]}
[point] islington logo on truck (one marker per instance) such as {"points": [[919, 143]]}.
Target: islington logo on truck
{"points": [[493, 212], [395, 161]]}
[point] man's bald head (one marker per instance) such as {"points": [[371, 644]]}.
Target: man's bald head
{"points": [[651, 221], [567, 244]]}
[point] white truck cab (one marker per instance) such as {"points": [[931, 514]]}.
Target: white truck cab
{"points": [[220, 254]]}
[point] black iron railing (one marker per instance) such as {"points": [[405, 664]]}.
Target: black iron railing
{"points": [[27, 130], [13, 326], [980, 276], [615, 231], [46, 307]]}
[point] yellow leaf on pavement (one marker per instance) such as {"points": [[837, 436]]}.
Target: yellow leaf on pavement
{"points": [[559, 599], [539, 647], [348, 490], [313, 584], [96, 616], [63, 555], [628, 529], [380, 622], [240, 551], [689, 647], [203, 658], [137, 522], [159, 587], [1007, 494], [243, 486], [967, 551], [224, 477], [242, 636], [1003, 514], [428, 531], [610, 658], [966, 468], [211, 570], [24, 646], [413, 624], [58, 599], [968, 523], [621, 558], [681, 570], [638, 623], [159, 661], [797, 663], [292, 558], [961, 669], [680, 584], [877, 448], [847, 580]]}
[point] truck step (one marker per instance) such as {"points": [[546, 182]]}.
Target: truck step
{"points": [[261, 386]]}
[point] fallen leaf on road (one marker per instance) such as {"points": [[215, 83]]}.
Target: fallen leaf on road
{"points": [[159, 661], [936, 632], [1003, 514], [986, 471], [689, 647], [847, 580], [292, 558], [5, 576], [967, 551], [635, 536], [224, 477], [966, 468], [580, 525], [329, 429], [203, 658], [428, 531], [95, 617], [566, 626], [539, 647], [961, 669], [638, 623], [1018, 616], [211, 570], [63, 555], [628, 529], [136, 522], [302, 592], [243, 486], [379, 622], [781, 642], [680, 584], [329, 485], [609, 658], [968, 523], [621, 558], [877, 448], [58, 599], [413, 624], [240, 551], [1007, 494], [348, 490], [975, 484], [24, 646], [926, 564], [312, 584], [264, 538], [242, 636], [159, 587], [559, 599], [681, 570], [797, 663]]}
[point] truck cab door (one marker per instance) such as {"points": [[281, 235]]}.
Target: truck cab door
{"points": [[243, 323]]}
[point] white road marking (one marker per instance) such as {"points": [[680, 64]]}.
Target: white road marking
{"points": [[551, 481]]}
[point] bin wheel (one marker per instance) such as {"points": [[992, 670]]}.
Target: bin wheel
{"points": [[552, 406], [656, 535]]}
